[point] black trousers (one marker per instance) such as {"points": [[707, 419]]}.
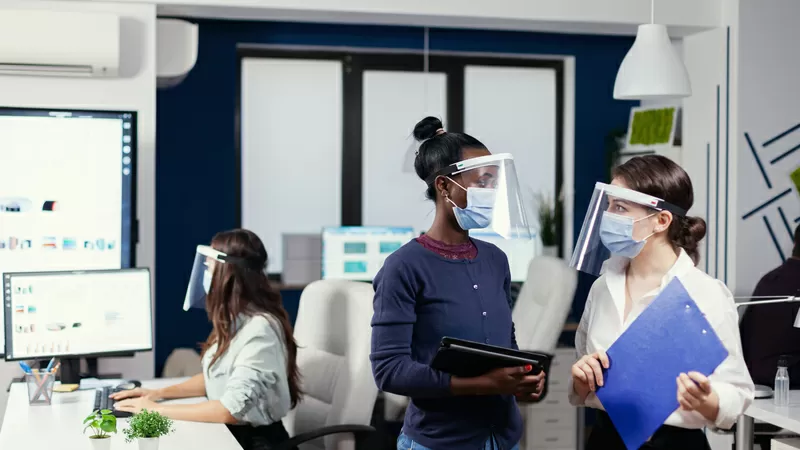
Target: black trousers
{"points": [[605, 437], [259, 438]]}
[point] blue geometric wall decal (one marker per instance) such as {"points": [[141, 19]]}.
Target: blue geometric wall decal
{"points": [[772, 140], [767, 203], [758, 160], [786, 223], [774, 239], [785, 154]]}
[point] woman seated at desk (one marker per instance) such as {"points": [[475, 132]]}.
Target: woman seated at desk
{"points": [[250, 373]]}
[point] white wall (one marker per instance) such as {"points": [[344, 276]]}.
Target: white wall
{"points": [[134, 90], [703, 135], [769, 104]]}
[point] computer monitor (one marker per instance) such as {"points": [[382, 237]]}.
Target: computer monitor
{"points": [[520, 252], [357, 253], [67, 190], [75, 314]]}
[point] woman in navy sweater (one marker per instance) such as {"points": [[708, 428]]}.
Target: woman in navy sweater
{"points": [[446, 284]]}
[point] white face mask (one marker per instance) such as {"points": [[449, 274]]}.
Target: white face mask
{"points": [[207, 280], [616, 233], [479, 210]]}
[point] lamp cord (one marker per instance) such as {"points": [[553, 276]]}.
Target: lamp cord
{"points": [[652, 11]]}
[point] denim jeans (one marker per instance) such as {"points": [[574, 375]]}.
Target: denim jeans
{"points": [[405, 443]]}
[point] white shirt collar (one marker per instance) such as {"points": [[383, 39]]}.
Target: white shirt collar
{"points": [[615, 272]]}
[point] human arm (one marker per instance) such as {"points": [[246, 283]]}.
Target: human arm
{"points": [[586, 373], [193, 387], [211, 411], [507, 291], [723, 396]]}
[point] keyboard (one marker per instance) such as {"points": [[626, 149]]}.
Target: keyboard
{"points": [[102, 401]]}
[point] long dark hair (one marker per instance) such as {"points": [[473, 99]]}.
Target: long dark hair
{"points": [[242, 287], [660, 177]]}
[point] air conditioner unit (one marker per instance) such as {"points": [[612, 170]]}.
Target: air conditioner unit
{"points": [[176, 51], [58, 43]]}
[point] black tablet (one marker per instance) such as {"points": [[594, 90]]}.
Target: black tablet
{"points": [[466, 359]]}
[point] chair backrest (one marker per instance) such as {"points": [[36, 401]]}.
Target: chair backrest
{"points": [[182, 362], [544, 303], [333, 332]]}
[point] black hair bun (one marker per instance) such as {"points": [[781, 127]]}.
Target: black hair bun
{"points": [[427, 128]]}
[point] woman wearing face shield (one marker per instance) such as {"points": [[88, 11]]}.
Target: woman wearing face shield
{"points": [[446, 284], [643, 224], [250, 373]]}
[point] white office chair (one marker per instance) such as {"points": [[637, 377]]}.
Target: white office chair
{"points": [[539, 314], [333, 333], [544, 303], [182, 362]]}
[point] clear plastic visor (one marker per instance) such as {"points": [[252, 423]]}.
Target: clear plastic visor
{"points": [[617, 223], [491, 185], [204, 261]]}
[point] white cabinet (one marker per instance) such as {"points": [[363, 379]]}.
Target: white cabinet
{"points": [[553, 424]]}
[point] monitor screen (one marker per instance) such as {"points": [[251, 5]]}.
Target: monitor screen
{"points": [[357, 253], [67, 190], [520, 252], [86, 313]]}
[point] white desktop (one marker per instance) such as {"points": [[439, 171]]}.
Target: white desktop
{"points": [[81, 313], [358, 253], [520, 252]]}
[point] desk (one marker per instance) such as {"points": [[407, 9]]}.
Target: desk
{"points": [[61, 423], [766, 411]]}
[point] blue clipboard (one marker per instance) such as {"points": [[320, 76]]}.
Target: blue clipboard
{"points": [[671, 336]]}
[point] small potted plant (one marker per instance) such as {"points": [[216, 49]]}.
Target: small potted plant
{"points": [[102, 423], [146, 428]]}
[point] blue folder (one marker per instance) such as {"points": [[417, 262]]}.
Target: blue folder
{"points": [[669, 337]]}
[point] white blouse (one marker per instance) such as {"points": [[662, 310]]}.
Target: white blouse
{"points": [[602, 323], [250, 378]]}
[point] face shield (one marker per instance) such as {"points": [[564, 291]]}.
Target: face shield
{"points": [[205, 260], [618, 223], [493, 198]]}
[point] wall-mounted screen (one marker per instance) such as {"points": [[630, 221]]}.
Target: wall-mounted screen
{"points": [[67, 190]]}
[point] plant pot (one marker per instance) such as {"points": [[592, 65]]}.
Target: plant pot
{"points": [[550, 250], [148, 443], [101, 443]]}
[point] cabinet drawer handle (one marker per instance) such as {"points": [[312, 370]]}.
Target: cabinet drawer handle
{"points": [[552, 421], [551, 439], [552, 402]]}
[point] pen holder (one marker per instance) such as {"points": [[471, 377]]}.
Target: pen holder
{"points": [[40, 388]]}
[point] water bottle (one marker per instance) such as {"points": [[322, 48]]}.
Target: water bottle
{"points": [[781, 397]]}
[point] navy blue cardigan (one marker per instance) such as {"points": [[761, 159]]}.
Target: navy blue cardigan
{"points": [[421, 297]]}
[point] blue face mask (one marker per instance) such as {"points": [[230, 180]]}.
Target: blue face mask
{"points": [[206, 281], [480, 205], [616, 233]]}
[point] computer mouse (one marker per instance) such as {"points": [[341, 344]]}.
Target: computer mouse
{"points": [[128, 385]]}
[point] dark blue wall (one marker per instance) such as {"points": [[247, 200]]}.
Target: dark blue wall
{"points": [[195, 164]]}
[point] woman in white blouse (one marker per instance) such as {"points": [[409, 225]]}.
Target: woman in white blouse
{"points": [[250, 374], [650, 245]]}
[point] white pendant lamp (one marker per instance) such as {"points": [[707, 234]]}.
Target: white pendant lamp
{"points": [[652, 68]]}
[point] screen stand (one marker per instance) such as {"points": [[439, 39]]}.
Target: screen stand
{"points": [[70, 371]]}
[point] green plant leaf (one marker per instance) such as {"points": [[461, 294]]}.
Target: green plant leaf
{"points": [[89, 419], [106, 412], [147, 424], [108, 426]]}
